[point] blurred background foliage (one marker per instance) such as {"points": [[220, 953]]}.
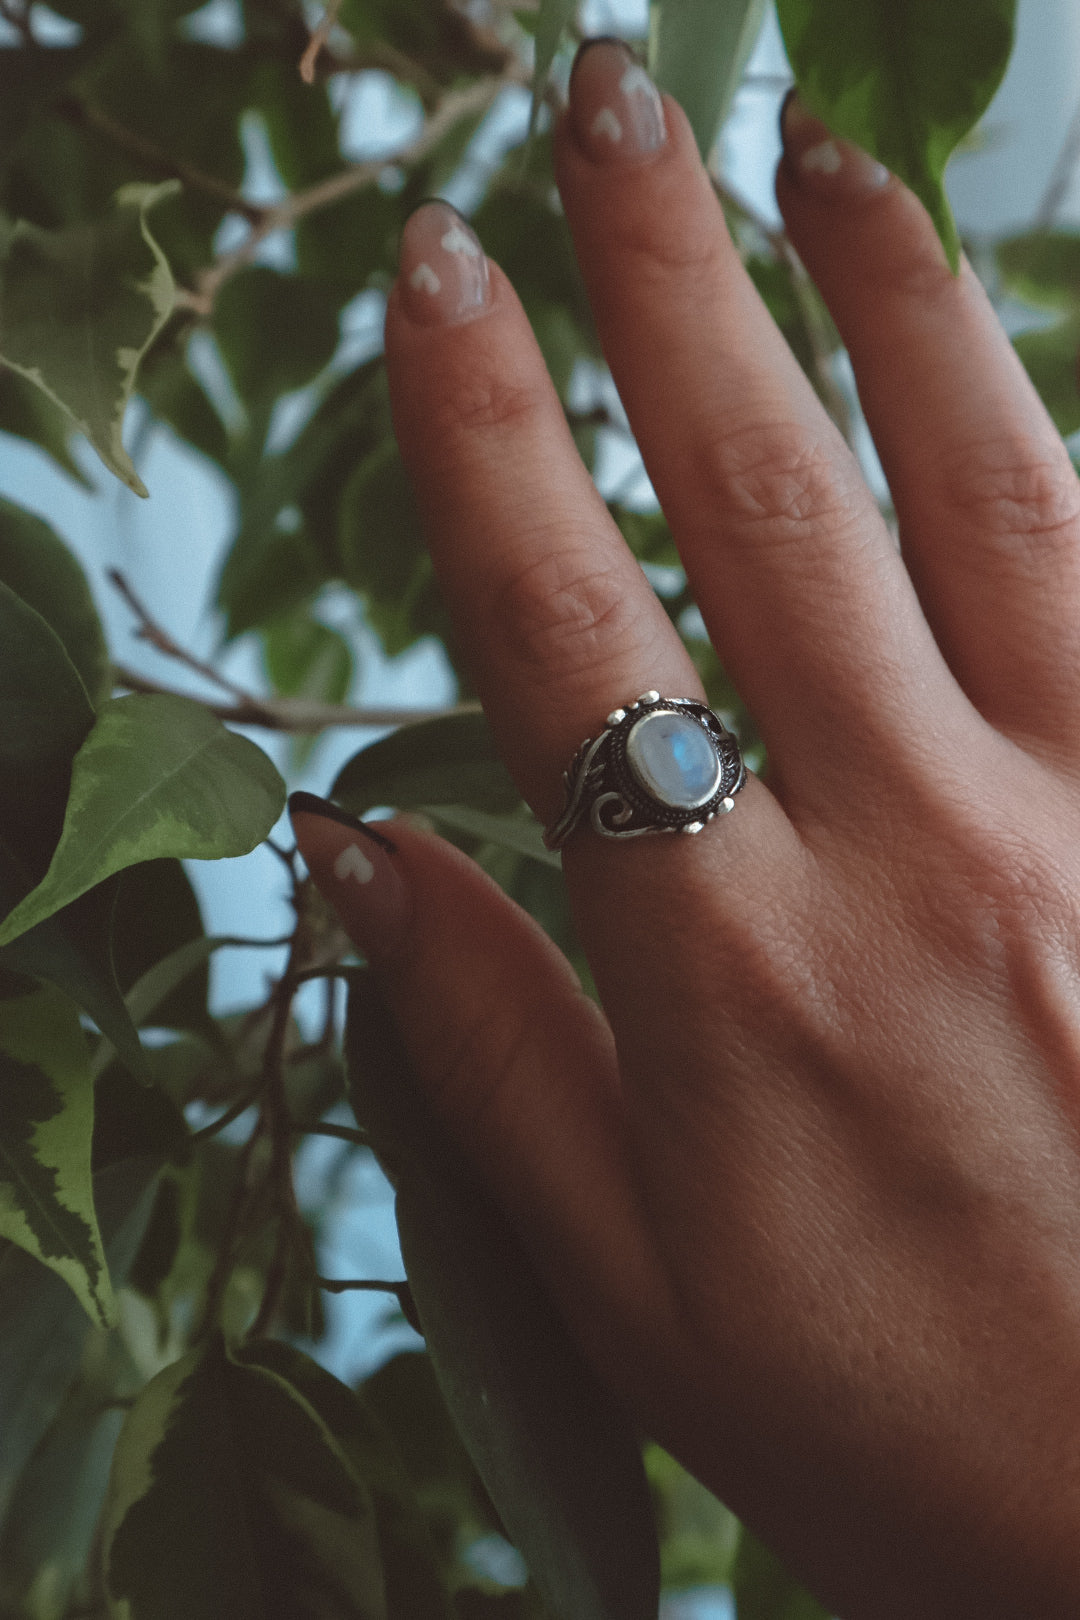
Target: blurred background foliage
{"points": [[162, 1307]]}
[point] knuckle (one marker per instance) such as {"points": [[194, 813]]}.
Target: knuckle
{"points": [[562, 610], [1014, 491], [773, 477], [482, 397]]}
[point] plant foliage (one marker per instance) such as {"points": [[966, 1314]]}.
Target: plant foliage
{"points": [[173, 1445]]}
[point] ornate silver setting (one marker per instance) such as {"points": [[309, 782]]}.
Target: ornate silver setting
{"points": [[601, 782]]}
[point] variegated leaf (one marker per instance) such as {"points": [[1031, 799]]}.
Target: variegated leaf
{"points": [[79, 308], [46, 1124]]}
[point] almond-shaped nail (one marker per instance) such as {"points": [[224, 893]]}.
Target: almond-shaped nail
{"points": [[617, 111], [442, 271], [820, 161], [352, 865]]}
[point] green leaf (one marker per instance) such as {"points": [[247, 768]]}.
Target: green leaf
{"points": [[46, 1128], [230, 1498], [275, 332], [79, 307], [763, 1589], [48, 1535], [157, 775], [905, 82], [37, 565], [1043, 268], [448, 760], [523, 834], [699, 51], [45, 1328], [25, 412], [413, 1583], [561, 1462], [157, 916], [1052, 357], [307, 659], [552, 21]]}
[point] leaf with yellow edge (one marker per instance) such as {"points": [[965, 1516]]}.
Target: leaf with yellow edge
{"points": [[79, 307], [46, 1125]]}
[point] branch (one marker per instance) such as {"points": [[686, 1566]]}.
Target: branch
{"points": [[19, 20], [317, 41], [156, 634], [374, 1285], [86, 116], [300, 716], [343, 1133], [457, 104]]}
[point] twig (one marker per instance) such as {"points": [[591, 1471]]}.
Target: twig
{"points": [[1061, 176], [86, 116], [348, 1285], [240, 1106], [317, 41], [343, 1133], [457, 104], [149, 630], [297, 715]]}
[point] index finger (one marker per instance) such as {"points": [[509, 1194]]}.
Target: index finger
{"points": [[557, 620]]}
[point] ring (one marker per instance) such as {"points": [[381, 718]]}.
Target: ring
{"points": [[660, 765]]}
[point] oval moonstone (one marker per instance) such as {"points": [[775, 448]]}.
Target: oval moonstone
{"points": [[673, 759]]}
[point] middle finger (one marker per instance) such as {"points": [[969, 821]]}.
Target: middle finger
{"points": [[794, 570]]}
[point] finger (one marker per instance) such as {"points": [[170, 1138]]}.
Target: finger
{"points": [[988, 502], [557, 620], [517, 1061], [790, 561]]}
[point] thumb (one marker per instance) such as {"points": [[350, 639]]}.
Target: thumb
{"points": [[513, 1056]]}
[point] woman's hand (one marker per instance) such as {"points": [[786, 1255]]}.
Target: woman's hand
{"points": [[809, 1189]]}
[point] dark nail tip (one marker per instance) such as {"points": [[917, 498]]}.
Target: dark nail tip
{"points": [[601, 39], [310, 804]]}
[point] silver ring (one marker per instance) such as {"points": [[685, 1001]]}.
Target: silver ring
{"points": [[660, 765]]}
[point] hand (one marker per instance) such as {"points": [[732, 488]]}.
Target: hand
{"points": [[808, 1189]]}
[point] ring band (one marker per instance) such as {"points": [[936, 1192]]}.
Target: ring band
{"points": [[660, 765]]}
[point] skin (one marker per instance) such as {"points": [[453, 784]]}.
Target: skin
{"points": [[808, 1187]]}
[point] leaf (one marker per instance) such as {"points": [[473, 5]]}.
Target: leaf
{"points": [[25, 412], [763, 1589], [516, 832], [49, 1532], [229, 1498], [158, 775], [552, 21], [1051, 357], [79, 307], [1042, 268], [157, 916], [302, 317], [45, 1328], [45, 573], [560, 1461], [46, 1127], [448, 760], [699, 51], [45, 715], [905, 82], [307, 659], [413, 1583]]}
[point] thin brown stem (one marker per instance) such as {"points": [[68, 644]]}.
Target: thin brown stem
{"points": [[349, 1285], [96, 121], [317, 41], [342, 1133], [296, 715], [454, 106], [156, 634], [240, 1106]]}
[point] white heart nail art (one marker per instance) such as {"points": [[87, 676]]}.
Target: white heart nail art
{"points": [[826, 158], [424, 279], [458, 240], [636, 79], [606, 123], [352, 862]]}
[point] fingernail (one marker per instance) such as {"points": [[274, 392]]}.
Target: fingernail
{"points": [[822, 162], [352, 865], [616, 109], [442, 272]]}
